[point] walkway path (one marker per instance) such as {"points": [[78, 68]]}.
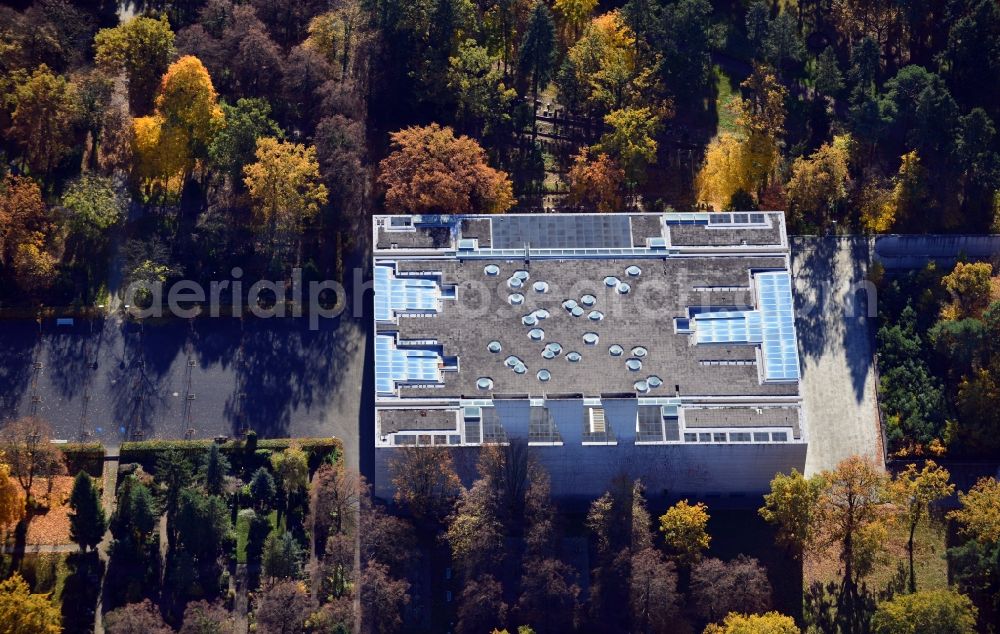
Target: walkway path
{"points": [[109, 479]]}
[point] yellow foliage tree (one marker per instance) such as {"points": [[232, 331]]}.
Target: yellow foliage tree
{"points": [[769, 623], [819, 183], [916, 489], [22, 612], [11, 502], [573, 15], [979, 515], [631, 139], [726, 170], [878, 209], [683, 527], [605, 61], [285, 186], [169, 143], [909, 195], [970, 284]]}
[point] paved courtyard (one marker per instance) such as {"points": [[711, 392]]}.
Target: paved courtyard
{"points": [[835, 345]]}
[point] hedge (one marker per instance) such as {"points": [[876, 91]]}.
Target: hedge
{"points": [[244, 456], [87, 457]]}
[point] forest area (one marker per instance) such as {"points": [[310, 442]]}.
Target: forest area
{"points": [[196, 136]]}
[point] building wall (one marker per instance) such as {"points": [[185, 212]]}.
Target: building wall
{"points": [[584, 471]]}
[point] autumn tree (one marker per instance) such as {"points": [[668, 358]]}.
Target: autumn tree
{"points": [[333, 502], [683, 527], [770, 623], [926, 612], [480, 606], [22, 612], [654, 602], [283, 608], [202, 617], [572, 16], [87, 522], [819, 184], [917, 489], [29, 452], [727, 170], [719, 587], [26, 234], [979, 513], [854, 514], [169, 142], [136, 618], [142, 48], [383, 598], [970, 286], [792, 506], [595, 183], [291, 467], [286, 188], [483, 96], [11, 502], [42, 120], [430, 170], [631, 139], [548, 595]]}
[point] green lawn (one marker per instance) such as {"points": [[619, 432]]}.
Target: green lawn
{"points": [[727, 120]]}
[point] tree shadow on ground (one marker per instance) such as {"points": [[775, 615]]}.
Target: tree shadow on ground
{"points": [[79, 595], [833, 303]]}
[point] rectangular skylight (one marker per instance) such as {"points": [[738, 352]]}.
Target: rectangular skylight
{"points": [[403, 366], [774, 296], [393, 294]]}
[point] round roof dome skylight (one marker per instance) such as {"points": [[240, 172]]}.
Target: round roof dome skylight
{"points": [[529, 320], [654, 381], [541, 287], [577, 311], [573, 357], [641, 386], [639, 351], [569, 304], [484, 383], [634, 365], [633, 271], [521, 275], [513, 282], [554, 347], [611, 281], [590, 338], [544, 375], [492, 270], [588, 300], [515, 299], [616, 351], [494, 346], [541, 313], [623, 287], [520, 368], [511, 361], [595, 315], [537, 334], [548, 354]]}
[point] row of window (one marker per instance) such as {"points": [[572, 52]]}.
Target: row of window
{"points": [[736, 436]]}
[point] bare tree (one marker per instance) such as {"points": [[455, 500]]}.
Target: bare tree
{"points": [[29, 452], [740, 585], [425, 481]]}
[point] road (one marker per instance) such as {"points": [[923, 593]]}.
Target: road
{"points": [[835, 346]]}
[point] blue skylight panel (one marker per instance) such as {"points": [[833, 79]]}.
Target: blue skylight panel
{"points": [[780, 351], [393, 365], [394, 294]]}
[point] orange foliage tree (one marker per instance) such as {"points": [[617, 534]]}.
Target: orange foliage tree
{"points": [[430, 170], [596, 183]]}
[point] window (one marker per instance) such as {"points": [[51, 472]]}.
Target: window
{"points": [[779, 436], [704, 437], [690, 437], [739, 437], [760, 436], [719, 437]]}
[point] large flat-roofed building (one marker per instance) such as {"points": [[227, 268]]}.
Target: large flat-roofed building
{"points": [[652, 345]]}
